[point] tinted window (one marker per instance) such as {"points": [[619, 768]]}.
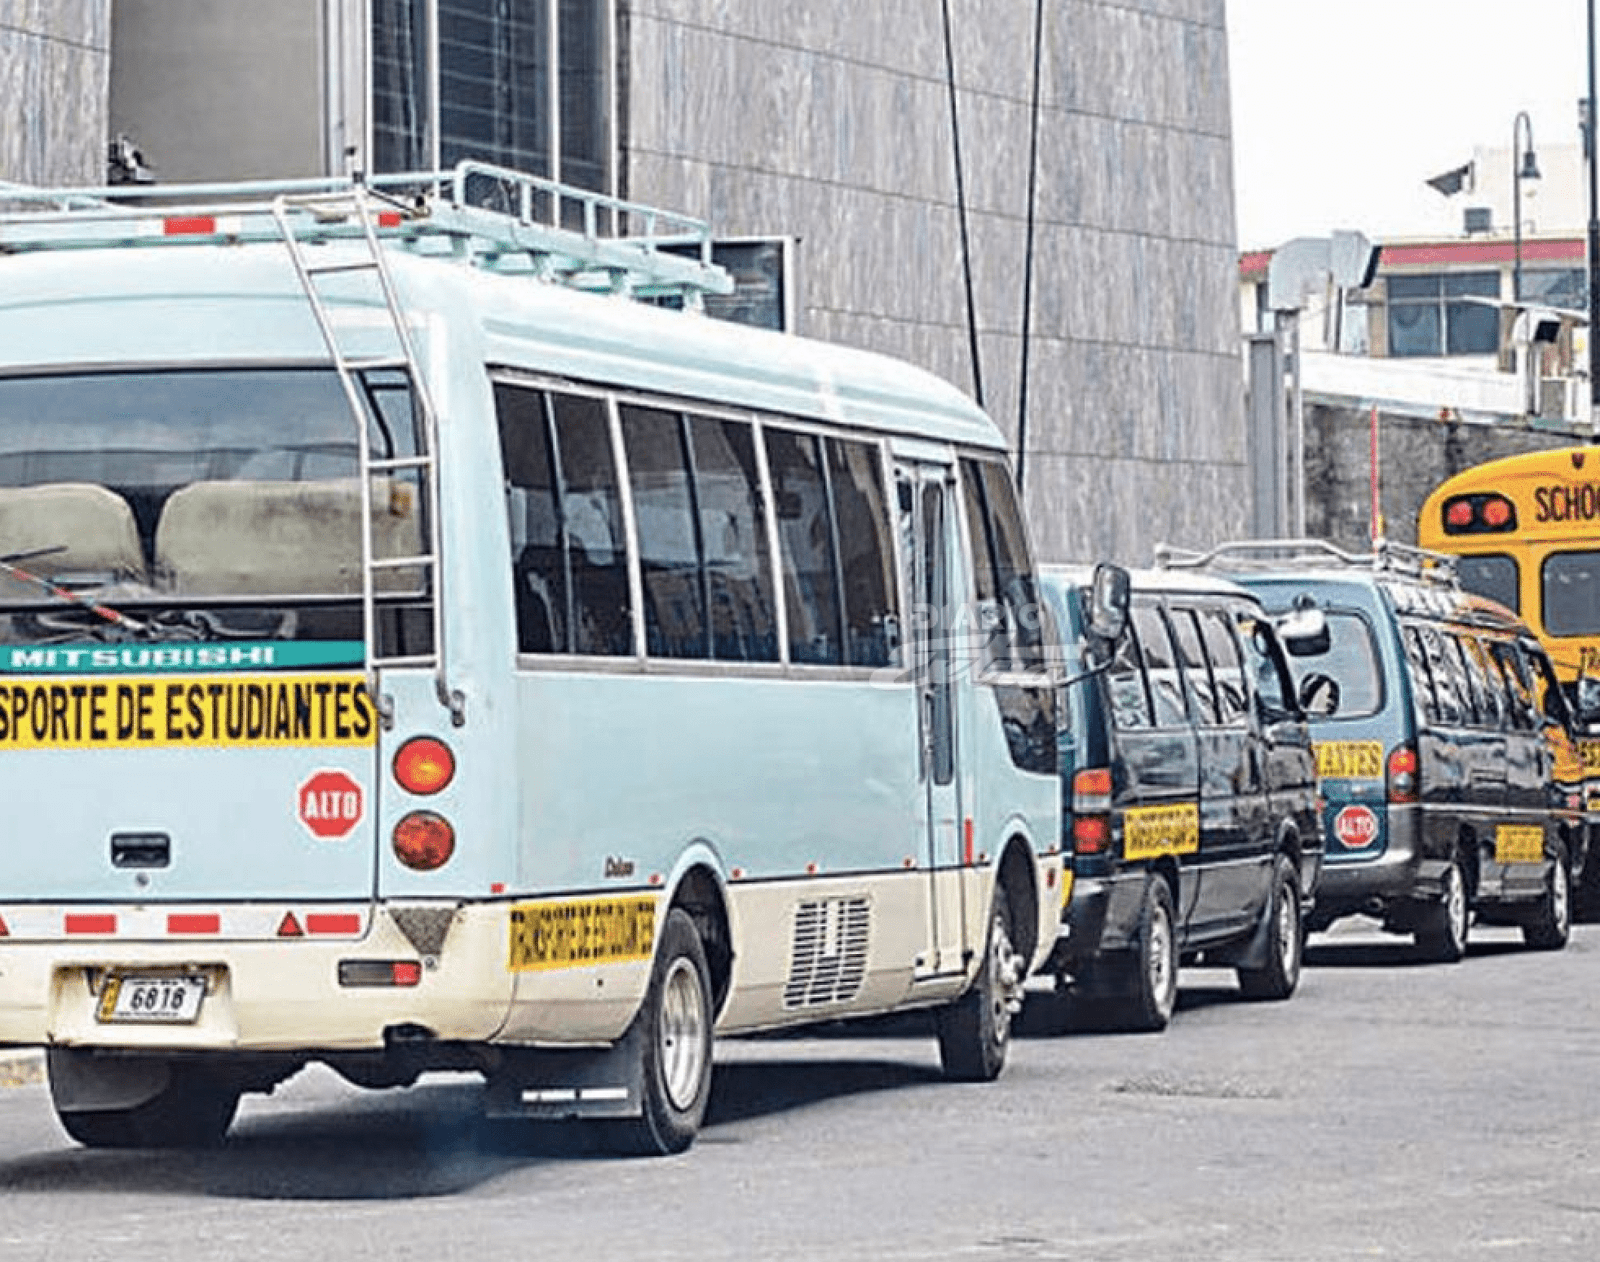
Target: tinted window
{"points": [[1570, 593], [1458, 660], [568, 559], [1444, 668], [1196, 675], [733, 532], [1265, 657], [1523, 709], [1226, 666], [669, 544], [1421, 674], [1161, 666], [805, 536], [1493, 576], [1002, 565], [866, 557], [1125, 686], [1487, 683]]}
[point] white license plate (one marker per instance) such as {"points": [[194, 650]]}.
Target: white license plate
{"points": [[165, 999]]}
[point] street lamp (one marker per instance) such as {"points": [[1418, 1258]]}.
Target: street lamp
{"points": [[1523, 167]]}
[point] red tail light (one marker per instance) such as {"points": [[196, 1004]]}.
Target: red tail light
{"points": [[1403, 774], [1481, 513], [424, 765], [1091, 810], [424, 841]]}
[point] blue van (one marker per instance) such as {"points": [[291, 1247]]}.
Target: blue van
{"points": [[1189, 795], [1450, 776]]}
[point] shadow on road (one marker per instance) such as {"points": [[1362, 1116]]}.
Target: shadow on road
{"points": [[1396, 953], [429, 1140]]}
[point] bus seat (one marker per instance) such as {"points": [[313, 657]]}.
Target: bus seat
{"points": [[284, 538], [91, 524]]}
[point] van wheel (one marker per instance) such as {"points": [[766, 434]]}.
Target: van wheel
{"points": [[194, 1110], [1442, 935], [676, 1048], [1551, 924], [1151, 978], [1280, 976], [975, 1030]]}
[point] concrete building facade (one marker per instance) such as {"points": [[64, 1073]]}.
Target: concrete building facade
{"points": [[55, 62], [828, 122]]}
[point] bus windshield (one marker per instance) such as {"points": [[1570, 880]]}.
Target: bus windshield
{"points": [[223, 504]]}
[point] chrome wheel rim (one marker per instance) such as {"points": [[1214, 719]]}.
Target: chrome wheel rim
{"points": [[1159, 968], [1288, 932], [1559, 910], [1456, 903], [681, 1034], [1005, 981]]}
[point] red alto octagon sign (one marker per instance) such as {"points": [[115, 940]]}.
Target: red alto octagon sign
{"points": [[330, 804], [1356, 826]]}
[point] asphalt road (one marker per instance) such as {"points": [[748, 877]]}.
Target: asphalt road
{"points": [[1390, 1110]]}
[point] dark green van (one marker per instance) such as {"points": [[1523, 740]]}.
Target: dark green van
{"points": [[1451, 779], [1188, 786]]}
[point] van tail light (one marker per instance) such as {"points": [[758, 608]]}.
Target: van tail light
{"points": [[424, 841], [1403, 774], [1091, 810], [424, 765]]}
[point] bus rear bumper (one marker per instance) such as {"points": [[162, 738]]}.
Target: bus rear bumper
{"points": [[286, 995]]}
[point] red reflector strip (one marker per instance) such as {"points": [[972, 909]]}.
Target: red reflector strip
{"points": [[83, 922], [328, 922], [389, 219], [197, 922], [966, 844], [189, 225], [4, 932], [407, 972]]}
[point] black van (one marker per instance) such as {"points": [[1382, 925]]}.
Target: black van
{"points": [[1448, 763], [1189, 795]]}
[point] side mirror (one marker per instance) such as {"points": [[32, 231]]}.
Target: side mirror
{"points": [[1108, 603], [1319, 695], [1304, 633]]}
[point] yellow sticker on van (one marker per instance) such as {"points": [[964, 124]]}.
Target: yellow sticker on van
{"points": [[1149, 831], [1349, 760], [1518, 843], [582, 932], [155, 712]]}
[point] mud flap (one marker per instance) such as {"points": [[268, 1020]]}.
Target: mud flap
{"points": [[554, 1084], [82, 1081]]}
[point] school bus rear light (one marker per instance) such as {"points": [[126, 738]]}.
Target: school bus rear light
{"points": [[424, 841]]}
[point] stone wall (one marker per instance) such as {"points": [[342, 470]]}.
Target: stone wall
{"points": [[1415, 454], [830, 120], [55, 58]]}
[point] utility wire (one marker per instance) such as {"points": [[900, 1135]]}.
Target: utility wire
{"points": [[1027, 264], [961, 208]]}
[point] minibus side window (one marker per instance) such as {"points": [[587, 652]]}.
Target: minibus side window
{"points": [[669, 533], [1226, 663], [1196, 675], [1523, 709], [866, 556], [569, 563], [805, 537], [1493, 706], [1458, 662], [1161, 665], [1421, 674], [1125, 685], [1002, 566], [733, 528], [1450, 706]]}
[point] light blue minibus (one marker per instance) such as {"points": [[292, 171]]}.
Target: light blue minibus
{"points": [[427, 641]]}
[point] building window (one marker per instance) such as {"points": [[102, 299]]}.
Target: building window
{"points": [[1556, 287], [526, 84], [1441, 314]]}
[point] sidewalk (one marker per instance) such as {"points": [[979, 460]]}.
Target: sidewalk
{"points": [[20, 1067]]}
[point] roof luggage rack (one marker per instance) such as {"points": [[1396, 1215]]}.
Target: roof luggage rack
{"points": [[1386, 557], [488, 216]]}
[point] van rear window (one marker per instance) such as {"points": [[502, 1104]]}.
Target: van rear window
{"points": [[1351, 658]]}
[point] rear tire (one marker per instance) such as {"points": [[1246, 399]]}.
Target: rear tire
{"points": [[194, 1110], [1281, 974], [1442, 935], [676, 1049], [1149, 990], [1551, 924], [975, 1030]]}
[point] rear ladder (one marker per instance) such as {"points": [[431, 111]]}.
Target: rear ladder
{"points": [[293, 214]]}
